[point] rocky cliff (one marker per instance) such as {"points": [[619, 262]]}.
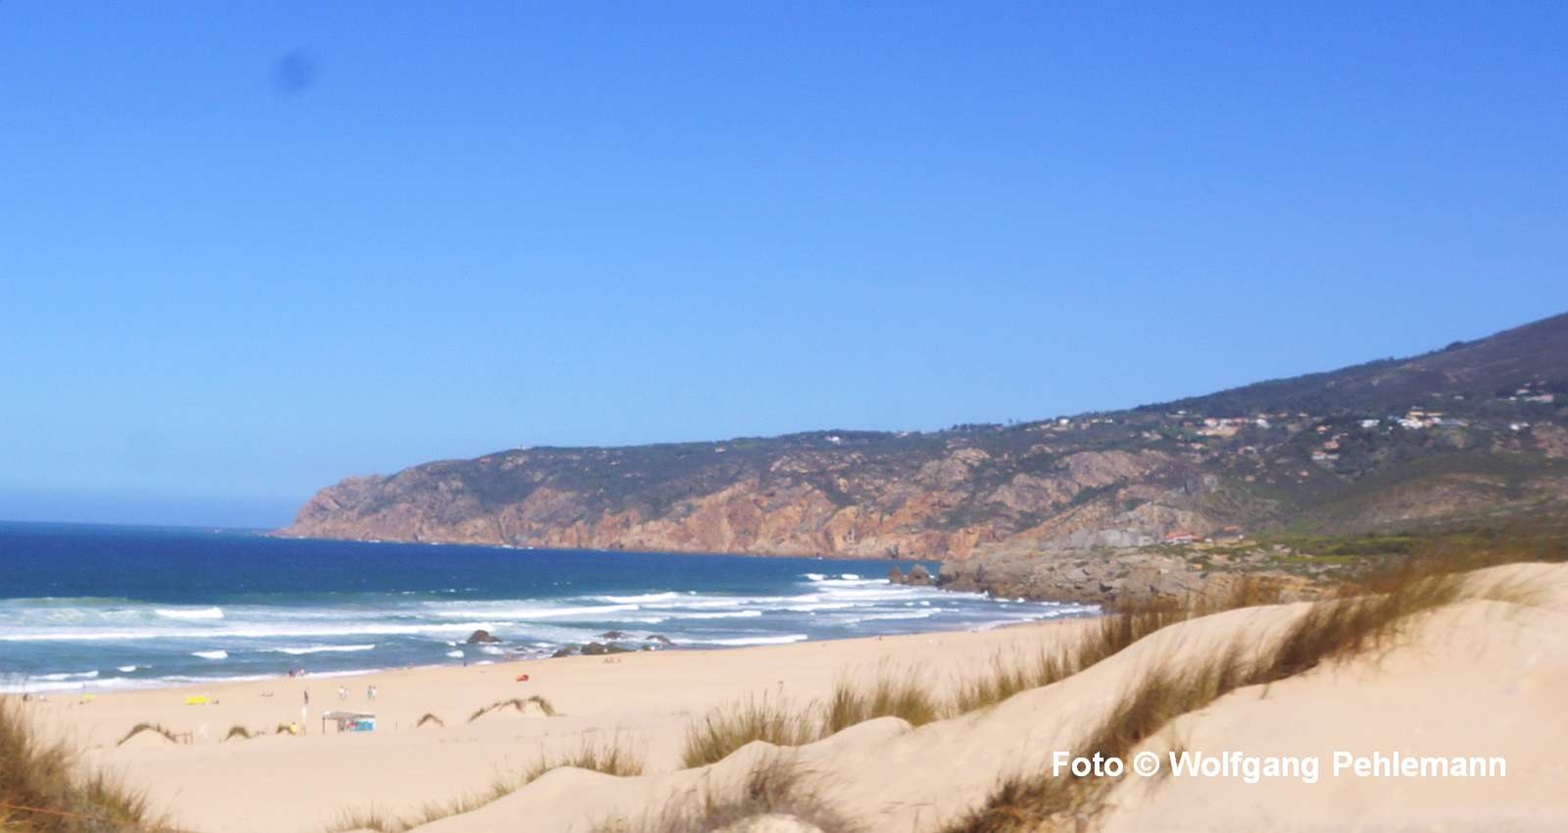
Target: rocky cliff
{"points": [[1473, 432]]}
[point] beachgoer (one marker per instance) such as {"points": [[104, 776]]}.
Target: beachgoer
{"points": [[370, 693], [307, 697], [342, 693]]}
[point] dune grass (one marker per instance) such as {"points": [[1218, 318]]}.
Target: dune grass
{"points": [[429, 718], [921, 700], [155, 728], [891, 694], [1353, 623], [241, 732], [733, 725], [612, 757], [776, 786], [433, 811], [45, 776], [518, 703]]}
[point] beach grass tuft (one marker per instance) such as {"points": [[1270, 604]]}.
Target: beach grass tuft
{"points": [[241, 732], [733, 725], [776, 786], [518, 703], [891, 694], [429, 718], [155, 728], [44, 776], [611, 758]]}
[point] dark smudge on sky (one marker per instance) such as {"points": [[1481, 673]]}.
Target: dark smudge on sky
{"points": [[295, 72]]}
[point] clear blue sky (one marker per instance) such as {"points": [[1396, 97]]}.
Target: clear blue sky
{"points": [[249, 248]]}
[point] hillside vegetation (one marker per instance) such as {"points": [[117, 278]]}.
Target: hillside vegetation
{"points": [[1473, 434]]}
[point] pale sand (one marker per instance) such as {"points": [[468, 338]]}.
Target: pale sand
{"points": [[1481, 678]]}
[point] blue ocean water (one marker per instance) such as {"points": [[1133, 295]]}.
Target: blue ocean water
{"points": [[101, 608]]}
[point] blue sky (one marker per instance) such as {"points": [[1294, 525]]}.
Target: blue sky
{"points": [[248, 249]]}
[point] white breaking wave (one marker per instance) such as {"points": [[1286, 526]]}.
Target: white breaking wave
{"points": [[510, 611], [644, 598], [55, 678], [455, 654], [198, 613], [126, 669], [350, 629], [317, 649], [879, 617], [219, 654]]}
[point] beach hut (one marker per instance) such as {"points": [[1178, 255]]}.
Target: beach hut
{"points": [[349, 721]]}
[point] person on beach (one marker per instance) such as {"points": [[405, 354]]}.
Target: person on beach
{"points": [[342, 693]]}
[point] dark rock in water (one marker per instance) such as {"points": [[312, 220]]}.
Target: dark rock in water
{"points": [[481, 636], [661, 639], [564, 652], [596, 649], [895, 576], [919, 575], [613, 635]]}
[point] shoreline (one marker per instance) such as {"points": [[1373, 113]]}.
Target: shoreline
{"points": [[1478, 676], [69, 690]]}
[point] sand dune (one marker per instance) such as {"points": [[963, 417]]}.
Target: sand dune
{"points": [[1479, 678]]}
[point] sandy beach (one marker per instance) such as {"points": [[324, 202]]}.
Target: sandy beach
{"points": [[1477, 678]]}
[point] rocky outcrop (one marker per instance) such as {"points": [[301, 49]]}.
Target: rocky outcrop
{"points": [[1108, 577], [481, 637]]}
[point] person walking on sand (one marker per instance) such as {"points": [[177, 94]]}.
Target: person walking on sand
{"points": [[342, 693]]}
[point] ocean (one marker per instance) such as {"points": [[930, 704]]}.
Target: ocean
{"points": [[102, 608]]}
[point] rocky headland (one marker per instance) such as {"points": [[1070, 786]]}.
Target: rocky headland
{"points": [[1473, 434]]}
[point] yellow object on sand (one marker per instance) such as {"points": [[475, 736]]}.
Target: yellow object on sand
{"points": [[196, 700]]}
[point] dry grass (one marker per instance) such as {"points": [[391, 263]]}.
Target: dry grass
{"points": [[1356, 622], [518, 703], [241, 732], [910, 697], [776, 786], [902, 695], [433, 811], [731, 726], [430, 718], [44, 776], [610, 758], [155, 728]]}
